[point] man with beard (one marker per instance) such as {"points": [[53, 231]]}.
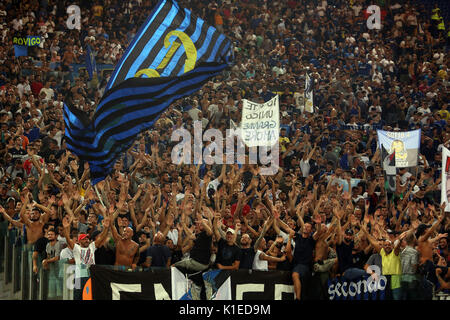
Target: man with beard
{"points": [[228, 253], [247, 252], [34, 222], [344, 248], [390, 260], [127, 251], [324, 257], [50, 263], [83, 252]]}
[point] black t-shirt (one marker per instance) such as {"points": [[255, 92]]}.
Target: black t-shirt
{"points": [[247, 256], [177, 255], [3, 202], [360, 259], [160, 254], [226, 254], [105, 256], [142, 257], [304, 248], [201, 252], [40, 246], [345, 256], [285, 265]]}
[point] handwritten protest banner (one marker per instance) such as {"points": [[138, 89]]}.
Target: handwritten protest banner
{"points": [[260, 125]]}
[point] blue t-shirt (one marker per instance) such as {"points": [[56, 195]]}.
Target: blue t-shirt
{"points": [[33, 134]]}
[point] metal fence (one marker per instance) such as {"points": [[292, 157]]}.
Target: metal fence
{"points": [[19, 282]]}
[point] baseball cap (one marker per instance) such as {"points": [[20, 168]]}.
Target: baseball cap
{"points": [[231, 230], [82, 236], [415, 189]]}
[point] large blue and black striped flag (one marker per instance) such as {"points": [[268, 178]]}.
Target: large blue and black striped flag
{"points": [[172, 56]]}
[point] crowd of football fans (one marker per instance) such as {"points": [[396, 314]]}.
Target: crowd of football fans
{"points": [[326, 212]]}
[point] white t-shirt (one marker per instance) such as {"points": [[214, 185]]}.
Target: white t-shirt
{"points": [[258, 264], [66, 253], [84, 255], [49, 93]]}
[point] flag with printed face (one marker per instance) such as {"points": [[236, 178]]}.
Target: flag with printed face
{"points": [[173, 54], [405, 146]]}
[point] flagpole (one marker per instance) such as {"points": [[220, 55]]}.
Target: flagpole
{"points": [[99, 197]]}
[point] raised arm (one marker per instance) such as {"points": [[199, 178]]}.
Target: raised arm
{"points": [[15, 223], [371, 239], [41, 207], [266, 227], [338, 215], [67, 221], [216, 227], [104, 234], [433, 228], [318, 221], [207, 227], [24, 218], [131, 207], [114, 232]]}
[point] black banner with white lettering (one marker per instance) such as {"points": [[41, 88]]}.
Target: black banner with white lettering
{"points": [[261, 285], [108, 284], [171, 284]]}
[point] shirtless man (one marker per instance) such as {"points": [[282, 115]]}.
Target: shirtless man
{"points": [[127, 251], [324, 257], [425, 245], [34, 222]]}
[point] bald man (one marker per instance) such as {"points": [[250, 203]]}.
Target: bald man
{"points": [[127, 251], [159, 255]]}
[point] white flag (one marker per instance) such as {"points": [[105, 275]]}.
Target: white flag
{"points": [[309, 94], [445, 180]]}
